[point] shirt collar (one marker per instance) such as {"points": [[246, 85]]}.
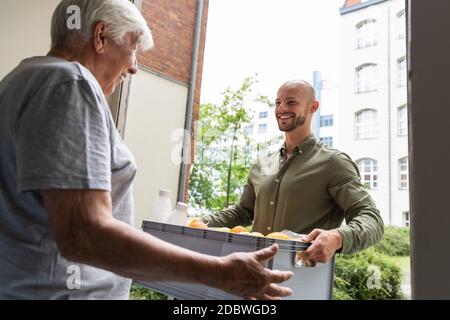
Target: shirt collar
{"points": [[302, 147]]}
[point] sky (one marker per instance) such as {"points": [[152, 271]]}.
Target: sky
{"points": [[276, 39]]}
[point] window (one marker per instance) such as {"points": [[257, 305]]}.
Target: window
{"points": [[403, 173], [406, 219], [262, 128], [366, 78], [328, 141], [248, 129], [401, 72], [366, 34], [401, 25], [326, 121], [366, 126], [368, 168], [402, 121], [263, 115]]}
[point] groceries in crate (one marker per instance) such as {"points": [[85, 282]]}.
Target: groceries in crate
{"points": [[161, 207], [301, 260], [179, 215], [239, 229], [278, 235], [223, 229], [196, 223]]}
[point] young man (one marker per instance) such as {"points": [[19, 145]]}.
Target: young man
{"points": [[306, 187]]}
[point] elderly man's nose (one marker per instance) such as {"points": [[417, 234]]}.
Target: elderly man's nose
{"points": [[134, 68]]}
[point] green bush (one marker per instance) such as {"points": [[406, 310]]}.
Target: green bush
{"points": [[138, 292], [395, 242], [366, 275]]}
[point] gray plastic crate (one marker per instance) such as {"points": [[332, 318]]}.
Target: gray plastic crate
{"points": [[308, 283]]}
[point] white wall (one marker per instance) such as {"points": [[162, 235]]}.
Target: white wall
{"points": [[156, 109], [329, 104], [25, 30]]}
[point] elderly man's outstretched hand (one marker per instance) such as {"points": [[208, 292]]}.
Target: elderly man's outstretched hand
{"points": [[243, 274]]}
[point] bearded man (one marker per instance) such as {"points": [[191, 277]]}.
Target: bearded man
{"points": [[306, 187]]}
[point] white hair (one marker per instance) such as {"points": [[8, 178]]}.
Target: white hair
{"points": [[121, 17]]}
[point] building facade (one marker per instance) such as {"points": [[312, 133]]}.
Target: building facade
{"points": [[373, 126]]}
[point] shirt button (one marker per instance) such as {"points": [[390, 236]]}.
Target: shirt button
{"points": [[271, 203], [277, 180], [268, 228]]}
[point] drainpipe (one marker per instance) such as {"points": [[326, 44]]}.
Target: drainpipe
{"points": [[317, 84], [185, 154], [389, 111]]}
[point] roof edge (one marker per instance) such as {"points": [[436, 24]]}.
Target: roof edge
{"points": [[343, 10]]}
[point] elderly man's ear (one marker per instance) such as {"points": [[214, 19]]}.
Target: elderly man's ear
{"points": [[99, 37]]}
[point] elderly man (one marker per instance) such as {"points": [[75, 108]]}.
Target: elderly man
{"points": [[306, 187], [65, 176]]}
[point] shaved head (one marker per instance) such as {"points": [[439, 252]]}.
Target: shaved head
{"points": [[294, 83], [295, 105]]}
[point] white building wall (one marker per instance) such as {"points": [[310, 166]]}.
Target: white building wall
{"points": [[155, 122], [399, 144], [329, 102], [387, 147], [25, 26]]}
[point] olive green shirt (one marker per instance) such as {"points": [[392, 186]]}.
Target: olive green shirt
{"points": [[317, 187]]}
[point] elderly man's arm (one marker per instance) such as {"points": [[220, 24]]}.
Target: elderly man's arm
{"points": [[86, 232], [240, 214]]}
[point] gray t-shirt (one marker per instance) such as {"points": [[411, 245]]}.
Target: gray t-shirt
{"points": [[56, 132]]}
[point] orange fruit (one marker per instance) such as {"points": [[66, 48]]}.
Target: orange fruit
{"points": [[194, 223], [257, 234], [277, 235], [238, 229]]}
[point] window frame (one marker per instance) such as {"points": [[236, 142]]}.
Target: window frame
{"points": [[401, 25], [406, 222], [328, 141], [326, 121], [402, 110], [366, 80], [403, 172], [373, 125], [401, 72], [262, 125], [366, 34], [247, 127], [373, 182]]}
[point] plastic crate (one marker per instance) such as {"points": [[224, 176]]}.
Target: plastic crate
{"points": [[308, 283]]}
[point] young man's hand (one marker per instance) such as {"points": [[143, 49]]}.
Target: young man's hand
{"points": [[324, 245]]}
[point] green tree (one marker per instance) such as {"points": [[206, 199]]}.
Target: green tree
{"points": [[223, 154]]}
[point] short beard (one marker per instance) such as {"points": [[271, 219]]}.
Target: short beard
{"points": [[300, 121]]}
